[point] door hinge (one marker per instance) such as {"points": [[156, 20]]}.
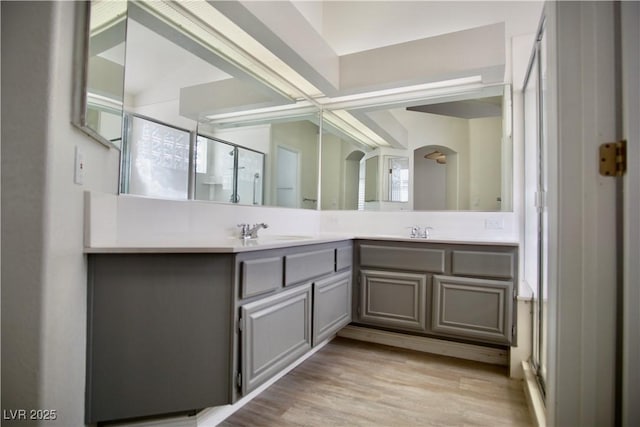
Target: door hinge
{"points": [[239, 379], [541, 200], [513, 331], [613, 158], [240, 324]]}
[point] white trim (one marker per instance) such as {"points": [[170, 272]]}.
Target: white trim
{"points": [[211, 417], [534, 398], [494, 356]]}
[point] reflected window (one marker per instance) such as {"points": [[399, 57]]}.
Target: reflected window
{"points": [[398, 179], [155, 159]]}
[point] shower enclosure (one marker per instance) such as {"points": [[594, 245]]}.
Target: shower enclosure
{"points": [[228, 173], [536, 216]]}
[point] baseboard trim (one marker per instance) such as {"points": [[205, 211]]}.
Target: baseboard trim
{"points": [[534, 397], [211, 417], [495, 356]]}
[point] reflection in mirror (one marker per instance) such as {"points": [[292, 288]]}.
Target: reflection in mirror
{"points": [[397, 178], [437, 167], [155, 159], [371, 180], [99, 109], [470, 130], [340, 174], [228, 173], [277, 163]]}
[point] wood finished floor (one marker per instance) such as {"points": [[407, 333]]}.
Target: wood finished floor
{"points": [[353, 383]]}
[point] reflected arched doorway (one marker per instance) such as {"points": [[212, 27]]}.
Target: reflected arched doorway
{"points": [[351, 179], [435, 178]]}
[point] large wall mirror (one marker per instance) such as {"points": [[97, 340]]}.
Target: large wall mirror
{"points": [[199, 126], [453, 152]]}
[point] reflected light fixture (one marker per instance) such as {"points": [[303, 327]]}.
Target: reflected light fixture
{"points": [[436, 155]]}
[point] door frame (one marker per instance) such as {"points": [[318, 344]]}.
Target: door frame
{"points": [[582, 272], [630, 70]]}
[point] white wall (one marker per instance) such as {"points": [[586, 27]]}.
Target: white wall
{"points": [[44, 277]]}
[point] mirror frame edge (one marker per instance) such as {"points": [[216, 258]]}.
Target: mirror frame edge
{"points": [[80, 73]]}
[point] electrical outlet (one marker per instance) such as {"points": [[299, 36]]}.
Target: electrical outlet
{"points": [[78, 175], [493, 224]]}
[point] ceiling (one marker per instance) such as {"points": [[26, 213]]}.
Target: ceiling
{"points": [[346, 27], [354, 26]]}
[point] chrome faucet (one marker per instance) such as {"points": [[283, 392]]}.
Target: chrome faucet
{"points": [[251, 232], [419, 233], [414, 232]]}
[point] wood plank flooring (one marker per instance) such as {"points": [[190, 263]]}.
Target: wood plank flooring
{"points": [[353, 383]]}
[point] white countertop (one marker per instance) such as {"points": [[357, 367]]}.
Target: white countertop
{"points": [[236, 245]]}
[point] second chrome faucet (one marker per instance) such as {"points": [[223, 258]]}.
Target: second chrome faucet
{"points": [[251, 231], [418, 233]]}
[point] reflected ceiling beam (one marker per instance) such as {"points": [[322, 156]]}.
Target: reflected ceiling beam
{"points": [[169, 30], [386, 125], [468, 109], [220, 97], [282, 29], [477, 51]]}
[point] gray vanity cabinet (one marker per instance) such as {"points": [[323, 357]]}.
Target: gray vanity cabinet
{"points": [[454, 291], [158, 334], [276, 330], [288, 300]]}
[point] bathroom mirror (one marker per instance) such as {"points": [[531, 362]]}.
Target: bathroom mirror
{"points": [[98, 101], [456, 152], [175, 76]]}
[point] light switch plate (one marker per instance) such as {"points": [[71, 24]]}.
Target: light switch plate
{"points": [[78, 175]]}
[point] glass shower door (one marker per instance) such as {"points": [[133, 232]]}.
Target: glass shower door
{"points": [[536, 217], [250, 177]]}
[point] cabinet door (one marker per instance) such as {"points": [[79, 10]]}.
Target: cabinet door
{"points": [[275, 332], [472, 308], [331, 305], [393, 299], [159, 330]]}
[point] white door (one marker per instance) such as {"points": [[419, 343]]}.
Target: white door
{"points": [[287, 177], [586, 258]]}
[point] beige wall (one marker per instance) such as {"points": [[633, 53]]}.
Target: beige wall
{"points": [[485, 140]]}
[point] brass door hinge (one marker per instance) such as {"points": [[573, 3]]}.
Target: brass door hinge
{"points": [[613, 158]]}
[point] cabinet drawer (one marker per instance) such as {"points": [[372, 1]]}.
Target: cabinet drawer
{"points": [[305, 266], [483, 264], [420, 259], [260, 275], [472, 308], [344, 258]]}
